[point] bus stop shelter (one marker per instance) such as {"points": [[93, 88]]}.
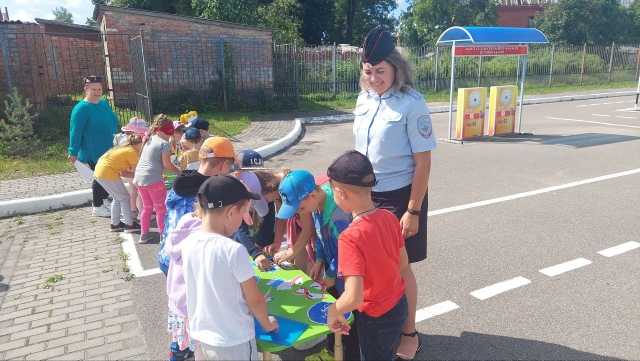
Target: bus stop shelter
{"points": [[490, 41]]}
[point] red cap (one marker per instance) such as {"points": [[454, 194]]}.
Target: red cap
{"points": [[167, 128]]}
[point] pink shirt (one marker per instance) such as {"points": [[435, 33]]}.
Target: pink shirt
{"points": [[176, 287]]}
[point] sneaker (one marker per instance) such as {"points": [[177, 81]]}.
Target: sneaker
{"points": [[101, 211], [129, 228], [145, 238], [118, 227]]}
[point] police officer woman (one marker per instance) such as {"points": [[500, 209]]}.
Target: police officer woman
{"points": [[393, 129]]}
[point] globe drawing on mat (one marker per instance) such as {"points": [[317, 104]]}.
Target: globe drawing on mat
{"points": [[318, 313]]}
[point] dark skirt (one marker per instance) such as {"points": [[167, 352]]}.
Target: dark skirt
{"points": [[396, 201]]}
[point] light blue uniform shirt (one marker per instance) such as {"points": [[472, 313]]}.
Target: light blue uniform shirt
{"points": [[389, 129]]}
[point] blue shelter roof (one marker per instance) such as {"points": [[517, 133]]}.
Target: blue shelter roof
{"points": [[492, 35]]}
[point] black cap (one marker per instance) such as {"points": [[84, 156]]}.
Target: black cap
{"points": [[352, 168], [251, 159], [223, 190], [199, 123], [377, 45]]}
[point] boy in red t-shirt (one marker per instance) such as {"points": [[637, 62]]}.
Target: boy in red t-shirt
{"points": [[371, 260]]}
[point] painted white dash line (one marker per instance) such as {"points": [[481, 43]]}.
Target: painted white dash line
{"points": [[594, 104], [500, 287], [532, 193], [623, 117], [435, 310], [135, 266], [619, 249], [594, 122], [565, 267], [601, 115]]}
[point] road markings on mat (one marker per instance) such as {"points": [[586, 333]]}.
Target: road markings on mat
{"points": [[594, 122], [511, 197], [565, 267], [435, 310], [619, 249], [500, 287]]}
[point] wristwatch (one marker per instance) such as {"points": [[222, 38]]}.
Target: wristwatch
{"points": [[413, 212]]}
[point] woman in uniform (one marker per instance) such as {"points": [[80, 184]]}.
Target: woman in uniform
{"points": [[393, 129]]}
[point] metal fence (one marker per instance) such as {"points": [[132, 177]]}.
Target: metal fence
{"points": [[323, 72], [151, 74]]}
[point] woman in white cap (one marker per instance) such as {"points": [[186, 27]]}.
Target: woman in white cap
{"points": [[393, 129]]}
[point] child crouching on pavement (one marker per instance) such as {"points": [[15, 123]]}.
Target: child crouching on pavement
{"points": [[222, 292], [372, 259]]}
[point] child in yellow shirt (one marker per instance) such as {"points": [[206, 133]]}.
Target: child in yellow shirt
{"points": [[190, 146], [119, 161]]}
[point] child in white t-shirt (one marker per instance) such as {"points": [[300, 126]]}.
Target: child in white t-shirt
{"points": [[222, 293]]}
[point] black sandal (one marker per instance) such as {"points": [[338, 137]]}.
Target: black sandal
{"points": [[412, 334]]}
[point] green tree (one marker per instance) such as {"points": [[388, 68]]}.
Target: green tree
{"points": [[425, 20], [237, 11], [592, 22], [62, 14], [283, 16], [180, 7], [317, 19], [91, 22], [354, 18]]}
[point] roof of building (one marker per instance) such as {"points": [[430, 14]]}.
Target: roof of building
{"points": [[492, 35], [61, 23], [159, 14]]}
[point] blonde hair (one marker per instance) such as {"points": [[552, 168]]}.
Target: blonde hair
{"points": [[132, 139], [403, 79]]}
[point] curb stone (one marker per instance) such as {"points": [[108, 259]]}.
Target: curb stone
{"points": [[15, 207]]}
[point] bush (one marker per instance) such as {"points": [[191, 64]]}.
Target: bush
{"points": [[52, 124], [17, 137]]}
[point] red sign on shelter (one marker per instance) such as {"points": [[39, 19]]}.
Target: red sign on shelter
{"points": [[491, 50]]}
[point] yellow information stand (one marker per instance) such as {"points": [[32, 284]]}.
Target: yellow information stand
{"points": [[502, 109], [470, 112]]}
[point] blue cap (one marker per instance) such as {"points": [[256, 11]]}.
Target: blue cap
{"points": [[192, 134], [199, 123], [251, 159], [294, 188]]}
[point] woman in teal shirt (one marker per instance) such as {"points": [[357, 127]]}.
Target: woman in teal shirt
{"points": [[92, 127]]}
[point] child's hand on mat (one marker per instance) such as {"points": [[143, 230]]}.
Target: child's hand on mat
{"points": [[336, 321], [271, 249], [272, 326], [316, 271], [328, 283], [286, 255], [263, 262]]}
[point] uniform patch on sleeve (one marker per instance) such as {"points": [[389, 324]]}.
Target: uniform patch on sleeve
{"points": [[424, 126]]}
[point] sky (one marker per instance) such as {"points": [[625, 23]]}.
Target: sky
{"points": [[27, 10]]}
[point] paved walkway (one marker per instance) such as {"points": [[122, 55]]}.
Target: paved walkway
{"points": [[64, 292], [256, 135]]}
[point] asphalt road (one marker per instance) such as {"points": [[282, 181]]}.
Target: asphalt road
{"points": [[590, 312]]}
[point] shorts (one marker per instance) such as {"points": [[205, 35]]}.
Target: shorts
{"points": [[396, 201], [245, 351]]}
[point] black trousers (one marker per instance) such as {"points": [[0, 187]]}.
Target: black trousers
{"points": [[99, 194], [396, 202]]}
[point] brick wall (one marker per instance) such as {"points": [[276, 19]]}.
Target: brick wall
{"points": [[517, 16], [45, 65], [187, 53]]}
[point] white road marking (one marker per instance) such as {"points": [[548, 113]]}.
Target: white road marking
{"points": [[532, 193], [565, 267], [435, 310], [601, 115], [135, 266], [500, 287], [595, 104], [623, 117], [628, 110], [619, 249], [594, 122]]}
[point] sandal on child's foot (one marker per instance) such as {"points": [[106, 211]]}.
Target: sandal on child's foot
{"points": [[406, 350]]}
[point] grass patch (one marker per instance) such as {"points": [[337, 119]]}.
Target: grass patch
{"points": [[224, 124], [51, 281]]}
